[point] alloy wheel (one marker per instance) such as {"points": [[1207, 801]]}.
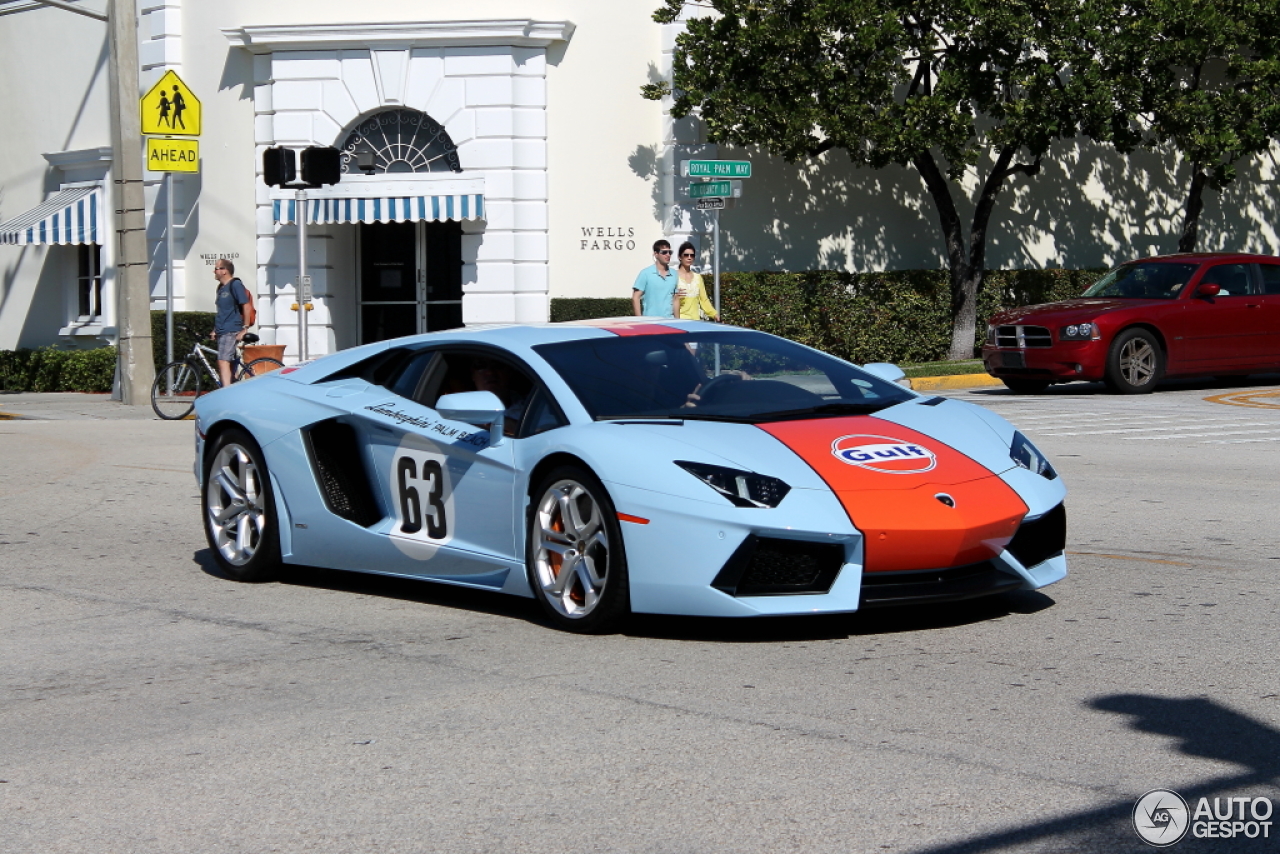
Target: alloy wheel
{"points": [[236, 504], [571, 549]]}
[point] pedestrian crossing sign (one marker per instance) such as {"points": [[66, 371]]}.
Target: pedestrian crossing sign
{"points": [[170, 108]]}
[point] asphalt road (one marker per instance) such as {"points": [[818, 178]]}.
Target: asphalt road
{"points": [[149, 705]]}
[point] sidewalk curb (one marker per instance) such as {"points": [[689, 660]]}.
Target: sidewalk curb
{"points": [[953, 382]]}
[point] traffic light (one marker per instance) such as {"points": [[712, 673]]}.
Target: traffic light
{"points": [[321, 165], [279, 166]]}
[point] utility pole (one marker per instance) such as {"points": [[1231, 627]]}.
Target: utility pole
{"points": [[133, 290]]}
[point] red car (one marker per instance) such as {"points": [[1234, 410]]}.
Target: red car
{"points": [[1171, 316]]}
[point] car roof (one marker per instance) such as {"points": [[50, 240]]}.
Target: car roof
{"points": [[515, 337], [1202, 257]]}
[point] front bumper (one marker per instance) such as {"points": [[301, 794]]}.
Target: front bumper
{"points": [[1062, 362], [696, 558]]}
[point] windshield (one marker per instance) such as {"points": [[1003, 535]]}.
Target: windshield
{"points": [[720, 376], [1150, 280]]}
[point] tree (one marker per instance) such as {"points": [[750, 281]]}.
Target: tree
{"points": [[948, 87], [1210, 76]]}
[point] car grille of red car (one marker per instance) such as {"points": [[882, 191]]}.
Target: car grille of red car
{"points": [[1023, 336]]}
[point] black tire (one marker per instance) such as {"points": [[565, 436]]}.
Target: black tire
{"points": [[581, 589], [257, 368], [238, 508], [1135, 362], [1019, 385], [174, 391]]}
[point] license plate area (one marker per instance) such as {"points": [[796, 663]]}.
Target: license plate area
{"points": [[1013, 360]]}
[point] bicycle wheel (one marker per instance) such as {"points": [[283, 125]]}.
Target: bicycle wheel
{"points": [[257, 368], [174, 393]]}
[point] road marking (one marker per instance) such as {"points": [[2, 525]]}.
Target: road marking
{"points": [[1191, 436], [1247, 399], [1210, 426]]}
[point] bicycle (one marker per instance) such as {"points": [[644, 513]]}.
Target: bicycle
{"points": [[178, 384]]}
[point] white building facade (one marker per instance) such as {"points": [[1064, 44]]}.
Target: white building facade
{"points": [[496, 156]]}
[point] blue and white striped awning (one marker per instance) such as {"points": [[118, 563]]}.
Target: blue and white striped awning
{"points": [[70, 216], [404, 209]]}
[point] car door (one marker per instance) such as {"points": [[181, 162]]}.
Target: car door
{"points": [[451, 490], [1270, 300], [1227, 331]]}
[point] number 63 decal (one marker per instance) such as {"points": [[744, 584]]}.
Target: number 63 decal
{"points": [[411, 498]]}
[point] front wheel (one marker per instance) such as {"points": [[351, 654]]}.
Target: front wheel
{"points": [[576, 563], [257, 368], [1024, 386], [174, 392], [1135, 362], [239, 516]]}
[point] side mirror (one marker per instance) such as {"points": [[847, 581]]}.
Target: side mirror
{"points": [[481, 408], [1207, 289], [887, 371]]}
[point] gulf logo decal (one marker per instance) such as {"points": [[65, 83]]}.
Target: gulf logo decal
{"points": [[884, 454]]}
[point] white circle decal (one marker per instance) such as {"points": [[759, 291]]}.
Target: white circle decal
{"points": [[883, 454], [1161, 817]]}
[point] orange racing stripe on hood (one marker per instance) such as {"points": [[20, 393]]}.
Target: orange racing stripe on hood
{"points": [[888, 478]]}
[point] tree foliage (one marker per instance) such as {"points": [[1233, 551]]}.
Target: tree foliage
{"points": [[951, 88], [1209, 73]]}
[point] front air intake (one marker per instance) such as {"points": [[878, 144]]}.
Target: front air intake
{"points": [[1041, 539], [765, 566]]}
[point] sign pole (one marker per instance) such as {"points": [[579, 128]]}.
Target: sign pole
{"points": [[715, 271], [168, 278], [302, 291]]}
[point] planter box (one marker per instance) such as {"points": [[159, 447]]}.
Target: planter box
{"points": [[263, 351]]}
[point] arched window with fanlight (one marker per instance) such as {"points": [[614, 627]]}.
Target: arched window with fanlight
{"points": [[399, 141]]}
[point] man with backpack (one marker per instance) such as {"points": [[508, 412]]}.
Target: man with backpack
{"points": [[234, 315]]}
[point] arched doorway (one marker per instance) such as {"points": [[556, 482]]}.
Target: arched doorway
{"points": [[410, 271]]}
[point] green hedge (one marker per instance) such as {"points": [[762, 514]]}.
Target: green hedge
{"points": [[51, 369], [589, 308], [899, 316], [201, 322]]}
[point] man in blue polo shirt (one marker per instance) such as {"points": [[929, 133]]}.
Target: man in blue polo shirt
{"points": [[653, 294]]}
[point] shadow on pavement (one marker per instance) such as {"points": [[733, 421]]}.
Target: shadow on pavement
{"points": [[1201, 728]]}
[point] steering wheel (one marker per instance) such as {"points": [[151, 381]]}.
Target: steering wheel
{"points": [[721, 383]]}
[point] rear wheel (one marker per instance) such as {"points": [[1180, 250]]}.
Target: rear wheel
{"points": [[1024, 386], [1135, 362], [576, 563], [174, 392], [239, 517], [257, 368]]}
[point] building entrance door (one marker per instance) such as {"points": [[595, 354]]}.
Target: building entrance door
{"points": [[410, 278]]}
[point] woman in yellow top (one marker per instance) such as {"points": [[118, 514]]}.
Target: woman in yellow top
{"points": [[691, 294]]}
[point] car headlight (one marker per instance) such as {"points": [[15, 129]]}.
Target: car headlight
{"points": [[1029, 457], [1079, 332], [991, 335], [742, 488]]}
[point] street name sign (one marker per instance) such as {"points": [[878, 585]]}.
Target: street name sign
{"points": [[170, 108], [715, 168], [716, 189], [173, 155], [713, 204]]}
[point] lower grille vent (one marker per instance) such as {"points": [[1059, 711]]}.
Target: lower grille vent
{"points": [[1040, 540], [764, 566], [920, 587]]}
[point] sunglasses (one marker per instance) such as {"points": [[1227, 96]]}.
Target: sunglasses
{"points": [[687, 255], [663, 252]]}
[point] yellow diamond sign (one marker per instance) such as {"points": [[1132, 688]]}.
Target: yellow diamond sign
{"points": [[171, 109]]}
